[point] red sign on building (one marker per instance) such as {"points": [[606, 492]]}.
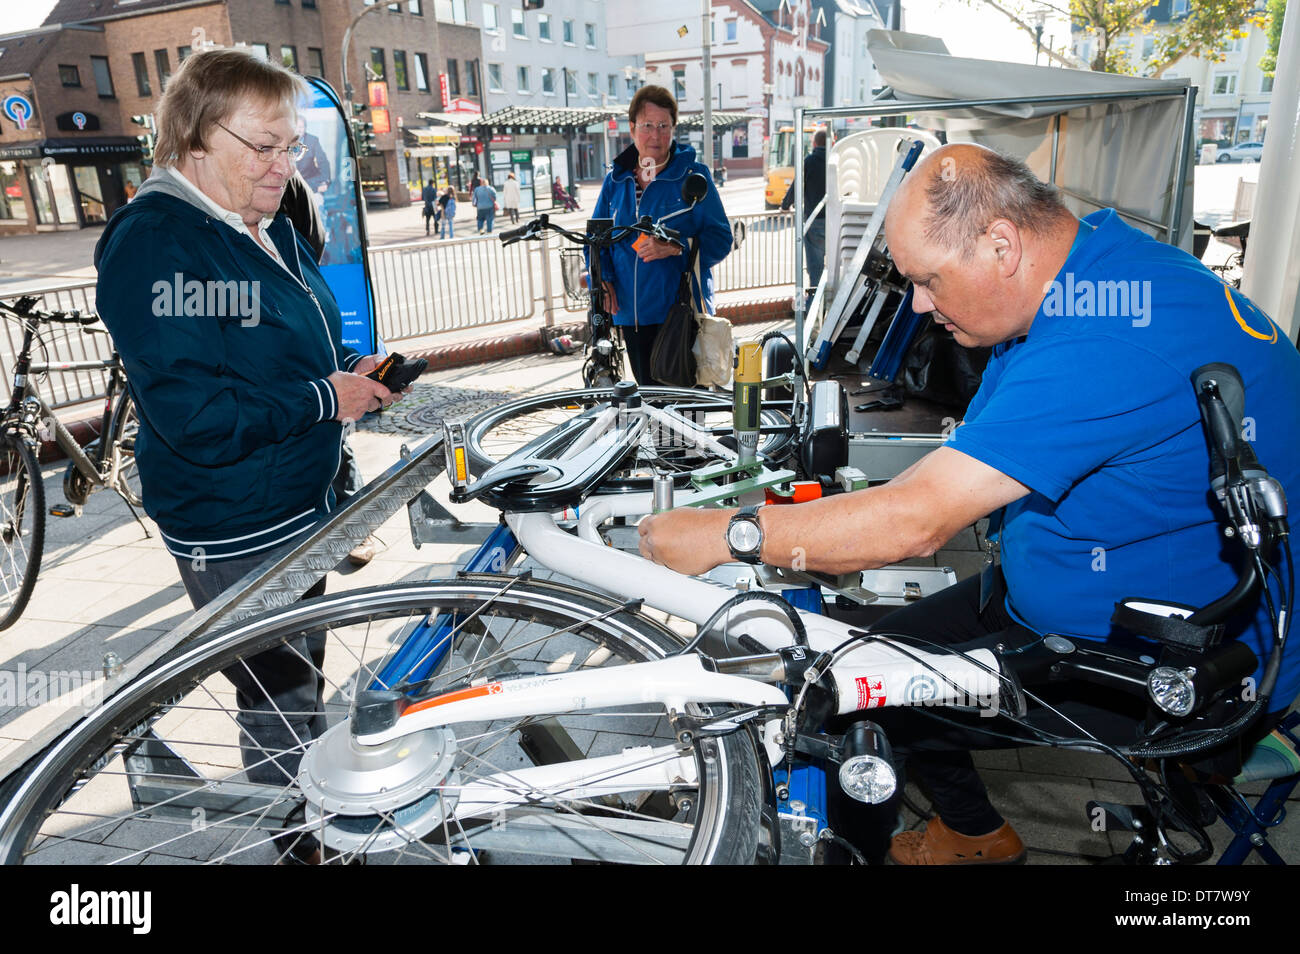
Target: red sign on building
{"points": [[444, 89], [378, 93], [379, 121]]}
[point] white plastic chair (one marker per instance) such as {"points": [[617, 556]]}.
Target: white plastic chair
{"points": [[856, 170]]}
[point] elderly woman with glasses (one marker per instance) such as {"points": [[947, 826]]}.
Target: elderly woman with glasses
{"points": [[642, 278], [233, 345]]}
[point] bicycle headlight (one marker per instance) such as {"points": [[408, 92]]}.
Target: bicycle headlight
{"points": [[867, 771], [1172, 690]]}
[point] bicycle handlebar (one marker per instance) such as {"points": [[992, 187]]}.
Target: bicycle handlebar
{"points": [[645, 226], [25, 308]]}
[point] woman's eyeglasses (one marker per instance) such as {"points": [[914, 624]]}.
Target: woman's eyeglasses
{"points": [[268, 154], [654, 127]]}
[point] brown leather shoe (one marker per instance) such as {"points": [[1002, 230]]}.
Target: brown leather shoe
{"points": [[364, 551], [940, 845]]}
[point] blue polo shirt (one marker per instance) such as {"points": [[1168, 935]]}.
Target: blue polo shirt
{"points": [[1094, 411]]}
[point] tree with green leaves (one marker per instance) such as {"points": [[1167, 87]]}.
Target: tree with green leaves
{"points": [[1276, 14], [1206, 27]]}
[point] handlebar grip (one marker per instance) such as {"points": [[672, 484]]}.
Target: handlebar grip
{"points": [[511, 235], [673, 235], [1222, 400]]}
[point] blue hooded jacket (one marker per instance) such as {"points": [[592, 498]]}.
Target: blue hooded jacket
{"points": [[227, 355], [646, 290]]}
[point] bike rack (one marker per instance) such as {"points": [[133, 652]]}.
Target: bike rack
{"points": [[276, 583]]}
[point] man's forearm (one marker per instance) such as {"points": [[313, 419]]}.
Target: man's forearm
{"points": [[861, 530]]}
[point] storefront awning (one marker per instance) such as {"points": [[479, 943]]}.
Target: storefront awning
{"points": [[431, 135], [721, 120], [522, 120]]}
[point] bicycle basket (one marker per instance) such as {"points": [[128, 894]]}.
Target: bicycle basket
{"points": [[572, 265]]}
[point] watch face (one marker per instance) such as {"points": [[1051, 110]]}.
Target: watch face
{"points": [[744, 536]]}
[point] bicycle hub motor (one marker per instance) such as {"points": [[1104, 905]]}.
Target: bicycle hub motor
{"points": [[377, 798]]}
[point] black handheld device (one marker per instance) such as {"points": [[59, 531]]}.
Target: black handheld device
{"points": [[396, 372]]}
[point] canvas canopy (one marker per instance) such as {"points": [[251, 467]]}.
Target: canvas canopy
{"points": [[1104, 140]]}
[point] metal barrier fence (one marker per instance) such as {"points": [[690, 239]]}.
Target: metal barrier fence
{"points": [[60, 343], [765, 256], [426, 287], [430, 286]]}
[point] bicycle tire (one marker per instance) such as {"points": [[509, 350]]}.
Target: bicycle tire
{"points": [[22, 525], [73, 800], [122, 431], [494, 435]]}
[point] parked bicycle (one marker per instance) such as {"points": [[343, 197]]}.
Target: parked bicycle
{"points": [[108, 461], [536, 720]]}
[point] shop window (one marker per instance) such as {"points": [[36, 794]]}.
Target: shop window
{"points": [[141, 67], [69, 75], [103, 77], [12, 206]]}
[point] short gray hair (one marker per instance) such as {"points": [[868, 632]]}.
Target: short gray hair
{"points": [[961, 206]]}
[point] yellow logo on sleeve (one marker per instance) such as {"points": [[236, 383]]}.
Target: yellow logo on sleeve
{"points": [[1255, 314]]}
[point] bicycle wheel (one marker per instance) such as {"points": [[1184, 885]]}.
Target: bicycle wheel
{"points": [[496, 434], [122, 431], [153, 775], [22, 525]]}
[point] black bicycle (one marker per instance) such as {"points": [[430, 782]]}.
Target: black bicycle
{"points": [[108, 461], [603, 367]]}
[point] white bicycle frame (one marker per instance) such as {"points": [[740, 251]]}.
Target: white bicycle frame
{"points": [[870, 675]]}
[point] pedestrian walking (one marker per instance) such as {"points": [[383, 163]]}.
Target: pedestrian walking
{"points": [[447, 202], [485, 203], [430, 196], [510, 197]]}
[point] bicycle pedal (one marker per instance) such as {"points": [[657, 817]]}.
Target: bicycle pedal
{"points": [[65, 510]]}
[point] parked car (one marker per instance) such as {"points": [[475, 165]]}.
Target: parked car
{"points": [[1242, 152]]}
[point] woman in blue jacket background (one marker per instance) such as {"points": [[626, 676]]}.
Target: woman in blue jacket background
{"points": [[642, 276]]}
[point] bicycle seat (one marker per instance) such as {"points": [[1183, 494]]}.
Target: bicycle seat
{"points": [[533, 480]]}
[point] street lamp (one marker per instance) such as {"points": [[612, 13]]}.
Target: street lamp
{"points": [[347, 40]]}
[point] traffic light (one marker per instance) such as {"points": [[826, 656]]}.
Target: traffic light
{"points": [[145, 139], [364, 133], [358, 108]]}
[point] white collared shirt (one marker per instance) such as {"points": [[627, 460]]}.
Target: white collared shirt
{"points": [[233, 219]]}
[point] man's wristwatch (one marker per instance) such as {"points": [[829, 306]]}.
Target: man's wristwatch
{"points": [[745, 536]]}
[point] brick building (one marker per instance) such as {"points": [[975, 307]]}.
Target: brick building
{"points": [[68, 152]]}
